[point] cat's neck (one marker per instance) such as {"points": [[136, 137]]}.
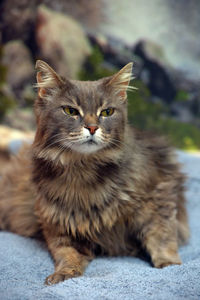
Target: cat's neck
{"points": [[74, 159], [70, 157]]}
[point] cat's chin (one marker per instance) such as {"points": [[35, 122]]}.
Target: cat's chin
{"points": [[88, 147]]}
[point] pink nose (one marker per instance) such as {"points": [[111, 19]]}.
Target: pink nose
{"points": [[92, 129]]}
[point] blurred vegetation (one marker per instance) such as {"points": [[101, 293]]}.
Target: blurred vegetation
{"points": [[143, 113], [6, 101], [94, 68], [181, 96]]}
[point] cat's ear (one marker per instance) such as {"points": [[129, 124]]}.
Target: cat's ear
{"points": [[47, 78], [119, 82]]}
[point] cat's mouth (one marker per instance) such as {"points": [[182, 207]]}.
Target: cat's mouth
{"points": [[88, 146], [90, 142]]}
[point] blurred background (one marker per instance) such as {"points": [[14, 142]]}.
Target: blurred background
{"points": [[86, 40]]}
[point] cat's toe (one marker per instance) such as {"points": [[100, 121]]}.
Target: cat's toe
{"points": [[161, 263], [167, 263], [54, 278], [59, 277]]}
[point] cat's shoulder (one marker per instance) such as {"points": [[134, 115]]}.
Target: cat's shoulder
{"points": [[153, 145]]}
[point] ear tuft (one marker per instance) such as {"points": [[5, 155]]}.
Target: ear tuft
{"points": [[47, 78], [120, 81]]}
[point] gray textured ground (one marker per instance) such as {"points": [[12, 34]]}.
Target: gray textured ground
{"points": [[25, 263]]}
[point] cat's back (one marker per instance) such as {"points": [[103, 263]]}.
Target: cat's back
{"points": [[17, 195], [19, 166]]}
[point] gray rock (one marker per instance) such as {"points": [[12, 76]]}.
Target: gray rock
{"points": [[61, 41], [155, 70], [88, 13], [20, 68]]}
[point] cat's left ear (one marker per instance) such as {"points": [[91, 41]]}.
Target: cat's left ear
{"points": [[120, 81], [47, 78]]}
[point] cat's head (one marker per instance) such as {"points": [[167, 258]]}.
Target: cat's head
{"points": [[81, 116]]}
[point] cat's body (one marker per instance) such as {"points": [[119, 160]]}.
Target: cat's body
{"points": [[121, 193]]}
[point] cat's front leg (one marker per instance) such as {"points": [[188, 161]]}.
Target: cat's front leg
{"points": [[68, 261], [159, 238]]}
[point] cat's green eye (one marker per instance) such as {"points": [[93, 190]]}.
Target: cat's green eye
{"points": [[107, 112], [70, 111]]}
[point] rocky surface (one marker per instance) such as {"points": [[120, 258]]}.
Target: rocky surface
{"points": [[61, 41], [174, 25], [155, 70], [20, 67], [89, 13]]}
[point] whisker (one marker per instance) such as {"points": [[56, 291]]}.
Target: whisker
{"points": [[117, 142], [57, 141], [53, 137], [74, 133], [62, 150]]}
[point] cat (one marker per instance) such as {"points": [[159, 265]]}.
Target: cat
{"points": [[90, 184]]}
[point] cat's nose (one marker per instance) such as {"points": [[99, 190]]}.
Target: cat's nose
{"points": [[92, 128]]}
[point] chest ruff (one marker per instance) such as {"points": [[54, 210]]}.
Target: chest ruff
{"points": [[75, 216], [88, 202]]}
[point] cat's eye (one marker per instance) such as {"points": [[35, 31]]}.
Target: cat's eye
{"points": [[68, 110], [107, 112]]}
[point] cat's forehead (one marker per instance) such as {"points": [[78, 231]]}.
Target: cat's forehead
{"points": [[88, 94]]}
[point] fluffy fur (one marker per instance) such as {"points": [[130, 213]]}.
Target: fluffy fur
{"points": [[115, 191]]}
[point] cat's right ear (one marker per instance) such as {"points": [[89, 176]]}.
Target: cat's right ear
{"points": [[47, 78]]}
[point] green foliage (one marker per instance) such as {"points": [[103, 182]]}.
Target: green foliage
{"points": [[2, 75], [182, 135], [29, 95], [143, 113], [181, 96], [150, 116], [2, 70], [6, 102], [94, 68]]}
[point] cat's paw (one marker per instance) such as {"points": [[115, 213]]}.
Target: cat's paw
{"points": [[164, 262], [61, 276]]}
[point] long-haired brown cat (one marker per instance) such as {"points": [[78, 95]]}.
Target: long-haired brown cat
{"points": [[90, 183]]}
